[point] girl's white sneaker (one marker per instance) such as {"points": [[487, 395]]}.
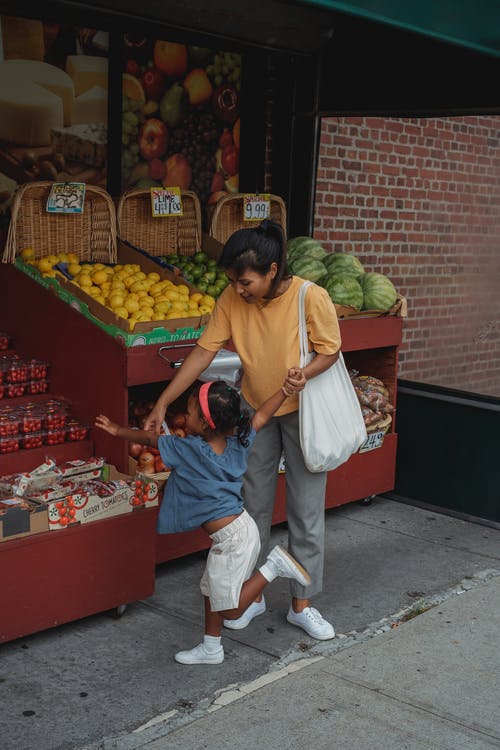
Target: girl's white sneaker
{"points": [[200, 655], [255, 609]]}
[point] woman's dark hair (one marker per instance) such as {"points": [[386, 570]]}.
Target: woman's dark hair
{"points": [[225, 409], [255, 250]]}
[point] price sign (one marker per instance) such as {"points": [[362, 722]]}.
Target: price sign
{"points": [[373, 441], [166, 202], [66, 198], [256, 207]]}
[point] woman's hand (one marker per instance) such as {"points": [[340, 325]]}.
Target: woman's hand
{"points": [[155, 419], [294, 381], [106, 424]]}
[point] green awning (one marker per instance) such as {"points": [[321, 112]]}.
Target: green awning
{"points": [[475, 25]]}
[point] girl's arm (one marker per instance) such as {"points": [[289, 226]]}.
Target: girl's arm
{"points": [[268, 408], [133, 436], [298, 376], [194, 364]]}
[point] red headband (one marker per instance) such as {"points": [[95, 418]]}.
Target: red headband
{"points": [[203, 397]]}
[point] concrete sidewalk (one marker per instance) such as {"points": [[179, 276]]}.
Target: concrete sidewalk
{"points": [[432, 682], [105, 683]]}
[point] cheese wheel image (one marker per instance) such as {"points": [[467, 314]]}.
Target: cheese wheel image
{"points": [[34, 97], [87, 71]]}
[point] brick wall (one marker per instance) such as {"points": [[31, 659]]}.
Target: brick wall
{"points": [[419, 200]]}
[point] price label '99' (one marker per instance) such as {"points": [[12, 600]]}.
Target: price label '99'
{"points": [[256, 207], [166, 202]]}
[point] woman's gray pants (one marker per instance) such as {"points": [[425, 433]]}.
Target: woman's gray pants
{"points": [[305, 498]]}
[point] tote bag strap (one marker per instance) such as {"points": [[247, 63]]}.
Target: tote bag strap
{"points": [[303, 340]]}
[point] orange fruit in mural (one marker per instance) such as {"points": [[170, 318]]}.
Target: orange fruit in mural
{"points": [[170, 58]]}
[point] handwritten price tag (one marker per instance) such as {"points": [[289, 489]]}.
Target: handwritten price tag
{"points": [[256, 207], [372, 442], [66, 198], [166, 202]]}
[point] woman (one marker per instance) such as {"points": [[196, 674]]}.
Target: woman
{"points": [[258, 311]]}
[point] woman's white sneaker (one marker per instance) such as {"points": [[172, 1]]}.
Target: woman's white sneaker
{"points": [[312, 622], [200, 655]]}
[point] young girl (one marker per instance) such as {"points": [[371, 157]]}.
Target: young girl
{"points": [[204, 489]]}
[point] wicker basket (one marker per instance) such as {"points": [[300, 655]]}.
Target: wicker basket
{"points": [[163, 235], [227, 216], [91, 235]]}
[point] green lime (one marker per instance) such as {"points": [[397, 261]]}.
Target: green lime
{"points": [[212, 290], [198, 271], [202, 286], [211, 263], [199, 258], [209, 276]]}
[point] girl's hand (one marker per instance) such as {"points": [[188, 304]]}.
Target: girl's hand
{"points": [[106, 424], [295, 380]]}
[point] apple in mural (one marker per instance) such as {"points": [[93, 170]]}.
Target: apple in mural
{"points": [[153, 139], [153, 83]]}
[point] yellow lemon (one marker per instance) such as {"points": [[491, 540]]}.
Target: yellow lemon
{"points": [[117, 267], [87, 267], [158, 316], [122, 312], [207, 300], [49, 275], [183, 289], [52, 258], [73, 258], [171, 294], [63, 257], [84, 280], [193, 313], [99, 277], [29, 254], [172, 316], [138, 286], [147, 300], [203, 309], [131, 305], [156, 289], [192, 306], [100, 299], [44, 265], [178, 306], [94, 291], [195, 297], [161, 307], [140, 275], [153, 276], [74, 269], [98, 266], [116, 300], [144, 314], [131, 322], [133, 295]]}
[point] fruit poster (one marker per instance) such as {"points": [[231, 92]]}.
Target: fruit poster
{"points": [[53, 104], [180, 117]]}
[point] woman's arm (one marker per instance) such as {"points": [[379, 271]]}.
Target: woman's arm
{"points": [[194, 364]]}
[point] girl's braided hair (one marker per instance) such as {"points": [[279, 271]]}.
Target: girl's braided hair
{"points": [[225, 409]]}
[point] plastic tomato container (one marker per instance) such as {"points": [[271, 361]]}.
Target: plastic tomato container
{"points": [[30, 421], [76, 430], [56, 436], [9, 425], [37, 386], [13, 390], [54, 418], [9, 444], [4, 340], [32, 440], [38, 370], [16, 371]]}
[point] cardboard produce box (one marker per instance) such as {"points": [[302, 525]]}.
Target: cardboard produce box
{"points": [[20, 518], [118, 494]]}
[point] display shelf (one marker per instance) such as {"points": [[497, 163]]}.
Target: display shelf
{"points": [[95, 371], [61, 576], [26, 460]]}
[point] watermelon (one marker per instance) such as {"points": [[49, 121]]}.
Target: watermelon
{"points": [[308, 268], [344, 290], [379, 292], [343, 263], [299, 246]]}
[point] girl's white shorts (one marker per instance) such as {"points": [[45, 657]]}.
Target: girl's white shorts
{"points": [[230, 562]]}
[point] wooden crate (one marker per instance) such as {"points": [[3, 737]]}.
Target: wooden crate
{"points": [[91, 235], [227, 216], [161, 235]]}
